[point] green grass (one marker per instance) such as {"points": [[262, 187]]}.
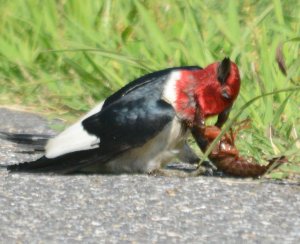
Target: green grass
{"points": [[60, 57]]}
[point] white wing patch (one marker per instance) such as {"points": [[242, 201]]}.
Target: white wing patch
{"points": [[74, 138], [169, 92]]}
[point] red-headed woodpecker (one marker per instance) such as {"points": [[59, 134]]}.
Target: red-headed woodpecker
{"points": [[142, 126]]}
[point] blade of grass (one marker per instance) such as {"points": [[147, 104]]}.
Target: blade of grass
{"points": [[112, 55]]}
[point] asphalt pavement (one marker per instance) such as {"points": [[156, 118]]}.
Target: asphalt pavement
{"points": [[36, 208]]}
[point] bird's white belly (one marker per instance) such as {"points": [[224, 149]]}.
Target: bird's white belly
{"points": [[152, 155]]}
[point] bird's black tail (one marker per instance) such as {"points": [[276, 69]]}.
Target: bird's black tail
{"points": [[65, 164], [36, 142]]}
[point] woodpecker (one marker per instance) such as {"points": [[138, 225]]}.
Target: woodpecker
{"points": [[144, 125]]}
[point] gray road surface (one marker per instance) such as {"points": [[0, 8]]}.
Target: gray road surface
{"points": [[138, 208]]}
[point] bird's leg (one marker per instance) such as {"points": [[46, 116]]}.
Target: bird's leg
{"points": [[187, 154]]}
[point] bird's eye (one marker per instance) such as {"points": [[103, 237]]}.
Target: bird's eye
{"points": [[225, 94]]}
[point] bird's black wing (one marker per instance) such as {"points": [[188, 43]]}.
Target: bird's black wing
{"points": [[120, 127], [126, 126]]}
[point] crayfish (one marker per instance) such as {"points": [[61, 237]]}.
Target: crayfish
{"points": [[225, 156]]}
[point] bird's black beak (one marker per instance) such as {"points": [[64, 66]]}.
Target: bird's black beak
{"points": [[223, 70]]}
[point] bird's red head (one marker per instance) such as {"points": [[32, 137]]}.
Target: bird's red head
{"points": [[212, 89]]}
